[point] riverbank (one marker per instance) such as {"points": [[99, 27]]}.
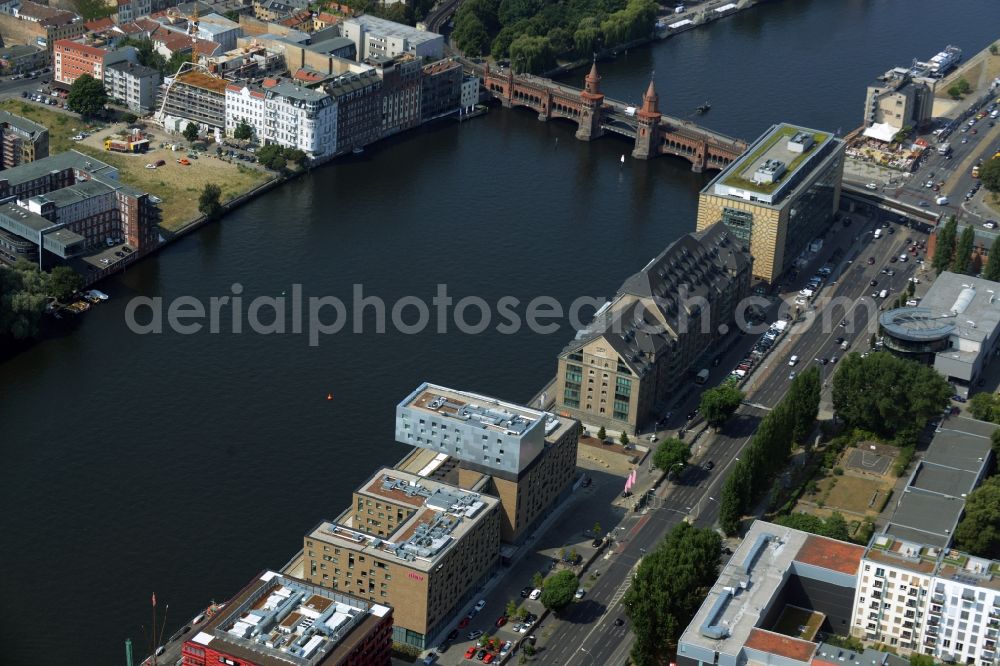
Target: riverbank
{"points": [[980, 71]]}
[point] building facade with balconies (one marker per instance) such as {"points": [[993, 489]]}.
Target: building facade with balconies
{"points": [[283, 113]]}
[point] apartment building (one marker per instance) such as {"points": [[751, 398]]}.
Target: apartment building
{"points": [[619, 371], [21, 140], [130, 10], [401, 92], [133, 85], [525, 457], [778, 196], [278, 620], [284, 113], [359, 109], [896, 100], [198, 97], [216, 28], [380, 38], [74, 58], [420, 546], [442, 89], [31, 23], [20, 58]]}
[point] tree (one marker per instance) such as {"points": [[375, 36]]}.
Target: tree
{"points": [[538, 580], [735, 497], [992, 271], [191, 132], [962, 263], [63, 281], [511, 609], [243, 131], [668, 588], [208, 202], [623, 438], [834, 527], [129, 118], [985, 407], [671, 452], [887, 395], [558, 590], [172, 66], [23, 292], [531, 53], [989, 174], [803, 400], [979, 531], [602, 434], [720, 402], [87, 96], [917, 659], [944, 250]]}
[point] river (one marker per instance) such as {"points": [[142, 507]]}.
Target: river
{"points": [[185, 464]]}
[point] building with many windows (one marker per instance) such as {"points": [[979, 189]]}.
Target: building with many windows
{"points": [[277, 620], [896, 100], [778, 196], [359, 109], [418, 545], [195, 96], [380, 38], [442, 89], [620, 370], [401, 86], [286, 114], [133, 85], [21, 140], [524, 456]]}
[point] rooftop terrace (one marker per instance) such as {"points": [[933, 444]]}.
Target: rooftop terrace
{"points": [[932, 560]]}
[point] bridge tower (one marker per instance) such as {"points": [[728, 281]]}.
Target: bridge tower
{"points": [[647, 135], [591, 103]]}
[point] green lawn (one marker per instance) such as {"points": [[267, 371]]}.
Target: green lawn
{"points": [[61, 125]]}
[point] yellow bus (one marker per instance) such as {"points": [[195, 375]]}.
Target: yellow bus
{"points": [[975, 171]]}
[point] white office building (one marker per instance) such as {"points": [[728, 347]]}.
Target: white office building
{"points": [[470, 94], [378, 38], [284, 114]]}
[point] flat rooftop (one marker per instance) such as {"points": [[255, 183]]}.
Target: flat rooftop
{"points": [[973, 303], [932, 503], [771, 168], [480, 411], [202, 80], [76, 193], [278, 620], [443, 515], [70, 159], [387, 28], [733, 612]]}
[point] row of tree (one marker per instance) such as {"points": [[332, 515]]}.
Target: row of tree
{"points": [[667, 589], [24, 291], [533, 33], [834, 527], [790, 421], [979, 531], [887, 395], [954, 252]]}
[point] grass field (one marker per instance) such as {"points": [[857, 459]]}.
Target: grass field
{"points": [[177, 185], [851, 493], [61, 125], [799, 623]]}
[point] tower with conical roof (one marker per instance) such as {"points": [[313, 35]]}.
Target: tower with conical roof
{"points": [[591, 101], [647, 133]]}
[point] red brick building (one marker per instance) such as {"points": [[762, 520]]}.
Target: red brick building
{"points": [[277, 620], [72, 59]]}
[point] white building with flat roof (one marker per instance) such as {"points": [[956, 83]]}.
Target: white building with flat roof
{"points": [[378, 37]]}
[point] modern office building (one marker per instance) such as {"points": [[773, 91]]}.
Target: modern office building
{"points": [[21, 140], [778, 196], [897, 100], [955, 327], [284, 113], [778, 593], [620, 370], [381, 38], [470, 93], [277, 620], [418, 545], [525, 457], [195, 96], [133, 85]]}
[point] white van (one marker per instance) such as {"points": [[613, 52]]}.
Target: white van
{"points": [[878, 233], [941, 201], [793, 360], [883, 293]]}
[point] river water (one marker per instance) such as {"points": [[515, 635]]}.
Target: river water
{"points": [[184, 464]]}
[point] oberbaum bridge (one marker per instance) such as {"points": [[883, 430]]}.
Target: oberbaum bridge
{"points": [[654, 133]]}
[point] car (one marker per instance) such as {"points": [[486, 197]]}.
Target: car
{"points": [[929, 184], [464, 622], [839, 341], [525, 591], [892, 260], [535, 593], [873, 282], [517, 628], [488, 658], [480, 605], [871, 261], [710, 465], [903, 258], [506, 647], [833, 359], [481, 654], [871, 186], [579, 593], [791, 375], [619, 622], [799, 300], [693, 414], [429, 659], [957, 398], [823, 361], [965, 139], [471, 652], [990, 225], [596, 543], [183, 161], [473, 635], [530, 618], [890, 272], [924, 204], [793, 360], [119, 253], [891, 230], [453, 634], [502, 620], [914, 280]]}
